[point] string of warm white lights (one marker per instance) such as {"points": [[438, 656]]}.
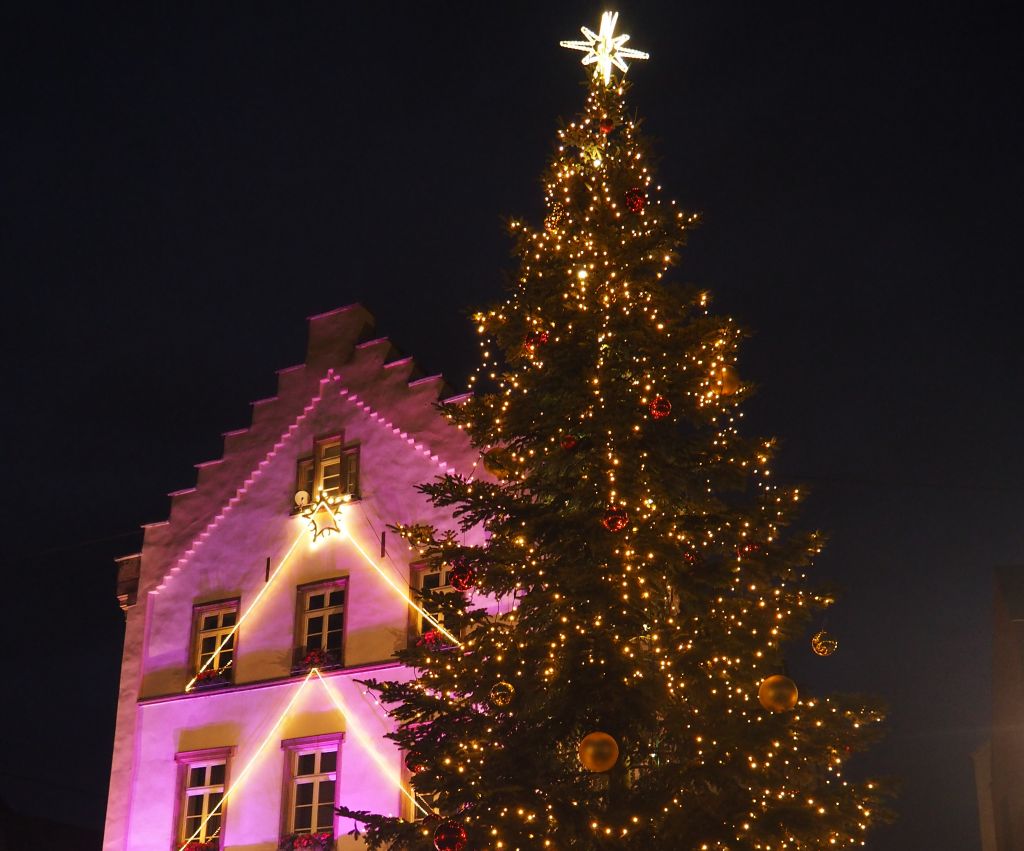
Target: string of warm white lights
{"points": [[610, 397], [233, 788], [364, 739], [351, 726], [344, 535], [252, 607], [400, 590]]}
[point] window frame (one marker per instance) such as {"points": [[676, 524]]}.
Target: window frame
{"points": [[309, 469], [201, 610], [418, 571], [186, 761], [305, 475], [293, 749], [302, 614]]}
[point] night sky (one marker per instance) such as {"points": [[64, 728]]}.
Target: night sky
{"points": [[182, 186]]}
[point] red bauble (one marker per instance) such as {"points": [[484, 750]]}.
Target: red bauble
{"points": [[606, 125], [615, 518], [635, 199], [569, 442], [690, 557], [450, 836], [414, 762], [535, 339], [462, 576], [747, 549], [660, 407]]}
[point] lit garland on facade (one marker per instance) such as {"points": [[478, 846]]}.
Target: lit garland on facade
{"points": [[388, 771], [319, 536]]}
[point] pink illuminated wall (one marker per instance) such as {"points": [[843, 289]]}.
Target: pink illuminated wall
{"points": [[215, 546]]}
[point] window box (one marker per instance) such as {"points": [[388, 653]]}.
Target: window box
{"points": [[304, 658], [213, 678], [308, 842], [196, 845]]}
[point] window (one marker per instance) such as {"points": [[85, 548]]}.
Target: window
{"points": [[313, 773], [214, 625], [304, 476], [430, 578], [332, 471], [435, 578], [203, 777], [321, 625]]}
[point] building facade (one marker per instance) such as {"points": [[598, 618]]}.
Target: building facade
{"points": [[252, 611], [999, 762]]}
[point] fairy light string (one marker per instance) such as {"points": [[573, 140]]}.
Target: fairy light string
{"points": [[692, 600], [365, 741]]}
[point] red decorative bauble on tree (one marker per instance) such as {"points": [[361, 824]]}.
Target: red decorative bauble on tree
{"points": [[462, 576], [450, 836], [569, 442], [534, 340], [414, 762], [635, 199], [615, 518], [660, 407], [606, 125]]}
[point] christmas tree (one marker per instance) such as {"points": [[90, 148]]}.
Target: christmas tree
{"points": [[632, 692]]}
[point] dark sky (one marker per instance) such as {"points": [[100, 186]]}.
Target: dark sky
{"points": [[184, 183]]}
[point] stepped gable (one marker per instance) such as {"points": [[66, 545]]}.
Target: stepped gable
{"points": [[342, 358]]}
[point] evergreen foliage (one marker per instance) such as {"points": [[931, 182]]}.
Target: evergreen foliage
{"points": [[658, 634]]}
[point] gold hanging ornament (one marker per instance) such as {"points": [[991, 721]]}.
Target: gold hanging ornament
{"points": [[598, 752], [726, 381], [778, 693], [824, 644], [502, 693]]}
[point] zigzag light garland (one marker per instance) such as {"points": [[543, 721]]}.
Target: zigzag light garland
{"points": [[351, 726]]}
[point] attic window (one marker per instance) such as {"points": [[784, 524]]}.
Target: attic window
{"points": [[332, 471]]}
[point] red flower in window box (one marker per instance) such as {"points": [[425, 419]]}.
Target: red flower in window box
{"points": [[212, 677], [307, 842], [432, 638], [316, 658], [196, 845]]}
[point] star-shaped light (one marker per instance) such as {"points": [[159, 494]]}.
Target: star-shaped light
{"points": [[605, 48], [322, 520]]}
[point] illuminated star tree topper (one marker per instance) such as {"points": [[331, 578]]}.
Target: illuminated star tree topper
{"points": [[604, 48]]}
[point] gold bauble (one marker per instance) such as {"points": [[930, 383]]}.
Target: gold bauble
{"points": [[501, 694], [727, 381], [824, 644], [778, 693], [598, 752], [498, 462]]}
